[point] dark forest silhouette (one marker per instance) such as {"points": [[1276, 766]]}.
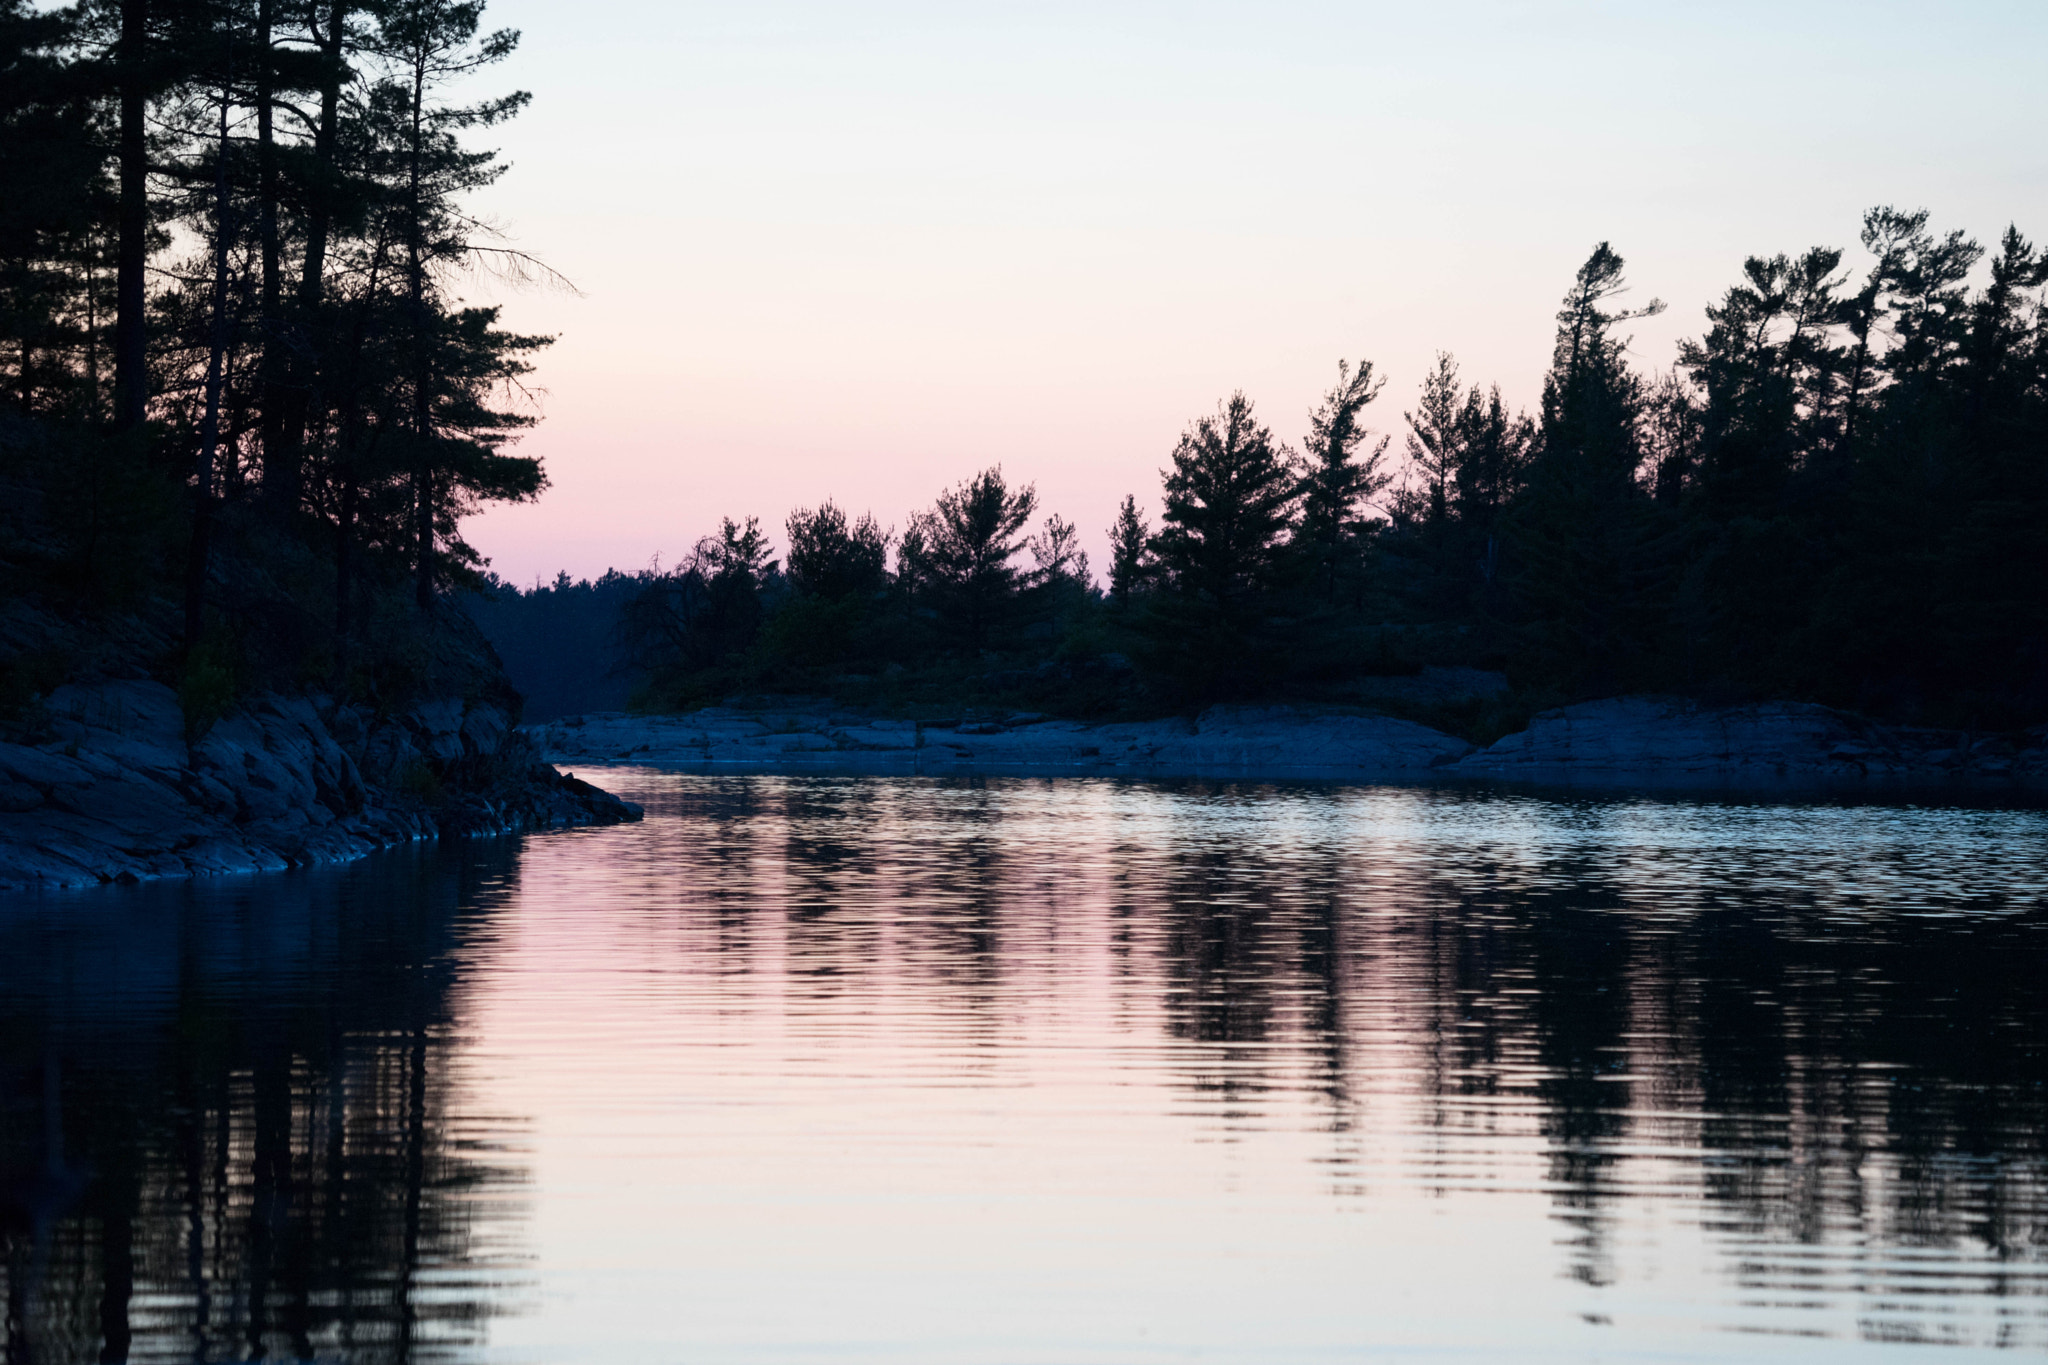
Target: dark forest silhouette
{"points": [[1839, 494], [247, 406]]}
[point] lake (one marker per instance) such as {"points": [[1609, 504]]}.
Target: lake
{"points": [[1078, 1070]]}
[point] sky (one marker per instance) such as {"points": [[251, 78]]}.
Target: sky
{"points": [[864, 250]]}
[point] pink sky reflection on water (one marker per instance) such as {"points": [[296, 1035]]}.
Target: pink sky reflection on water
{"points": [[905, 1071]]}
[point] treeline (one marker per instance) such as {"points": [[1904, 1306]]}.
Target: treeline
{"points": [[240, 388], [979, 585], [239, 373], [560, 640], [1839, 493]]}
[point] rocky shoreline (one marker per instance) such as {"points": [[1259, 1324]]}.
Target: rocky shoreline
{"points": [[115, 790], [1656, 741]]}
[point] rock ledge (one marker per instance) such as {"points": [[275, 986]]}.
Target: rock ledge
{"points": [[1623, 740], [117, 793]]}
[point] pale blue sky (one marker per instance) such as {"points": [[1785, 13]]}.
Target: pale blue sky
{"points": [[864, 249]]}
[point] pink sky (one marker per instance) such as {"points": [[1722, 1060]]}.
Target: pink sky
{"points": [[864, 251]]}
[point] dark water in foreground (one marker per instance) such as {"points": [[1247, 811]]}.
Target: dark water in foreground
{"points": [[914, 1070]]}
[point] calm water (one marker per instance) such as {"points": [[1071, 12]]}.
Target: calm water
{"points": [[912, 1070]]}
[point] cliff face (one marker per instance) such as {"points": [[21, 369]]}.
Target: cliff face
{"points": [[115, 790]]}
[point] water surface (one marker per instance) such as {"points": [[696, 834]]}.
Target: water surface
{"points": [[907, 1069]]}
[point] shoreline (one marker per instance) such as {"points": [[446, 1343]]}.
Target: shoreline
{"points": [[118, 792], [1654, 743]]}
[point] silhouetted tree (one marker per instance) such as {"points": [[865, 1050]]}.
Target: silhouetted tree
{"points": [[1230, 499], [55, 215], [1057, 555], [1770, 376], [1130, 554], [1584, 569], [1335, 482], [428, 45], [833, 558], [706, 613], [1436, 439], [958, 554]]}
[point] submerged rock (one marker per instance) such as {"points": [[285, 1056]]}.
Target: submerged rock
{"points": [[118, 793]]}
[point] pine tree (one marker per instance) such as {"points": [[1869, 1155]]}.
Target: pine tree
{"points": [[960, 553], [54, 211], [1584, 574], [1436, 435], [833, 558], [1770, 372], [1230, 501], [1057, 556], [1335, 482], [1130, 556], [428, 44]]}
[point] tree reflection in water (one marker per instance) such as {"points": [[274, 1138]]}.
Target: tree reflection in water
{"points": [[1813, 1041], [224, 1128], [1813, 1061]]}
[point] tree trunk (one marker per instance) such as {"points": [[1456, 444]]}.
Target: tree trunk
{"points": [[131, 368], [422, 387], [293, 402], [209, 424], [92, 330], [423, 528], [348, 437], [281, 475], [321, 215], [344, 572]]}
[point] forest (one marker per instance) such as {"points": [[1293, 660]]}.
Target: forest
{"points": [[246, 403], [1838, 493], [247, 406]]}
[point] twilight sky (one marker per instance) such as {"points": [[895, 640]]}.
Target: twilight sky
{"points": [[861, 250]]}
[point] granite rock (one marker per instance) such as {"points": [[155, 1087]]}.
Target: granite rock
{"points": [[1674, 740], [1644, 740], [116, 791], [1223, 740]]}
